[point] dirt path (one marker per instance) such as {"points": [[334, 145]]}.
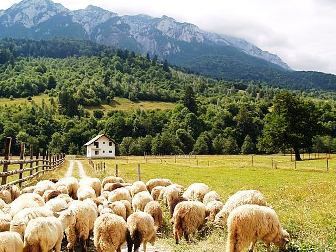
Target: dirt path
{"points": [[70, 169], [81, 170]]}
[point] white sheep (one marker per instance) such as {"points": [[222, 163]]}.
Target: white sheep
{"points": [[239, 198], [72, 185], [49, 194], [196, 191], [95, 183], [46, 233], [211, 196], [10, 242], [172, 196], [141, 230], [10, 194], [137, 187], [57, 204], [118, 208], [5, 220], [128, 206], [26, 200], [22, 218], [85, 215], [213, 208], [157, 182], [156, 191], [85, 192], [119, 194], [112, 186], [28, 189], [153, 208], [140, 200], [110, 232], [247, 224], [188, 217], [44, 185], [112, 179]]}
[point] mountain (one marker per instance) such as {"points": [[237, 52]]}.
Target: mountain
{"points": [[182, 44]]}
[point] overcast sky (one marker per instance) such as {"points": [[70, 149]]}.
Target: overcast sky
{"points": [[301, 32]]}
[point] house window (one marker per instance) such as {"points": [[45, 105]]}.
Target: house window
{"points": [[103, 151], [103, 142], [96, 144], [110, 143], [110, 151], [96, 152]]}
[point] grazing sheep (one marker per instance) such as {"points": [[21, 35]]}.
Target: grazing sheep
{"points": [[110, 232], [85, 192], [3, 204], [156, 191], [44, 185], [26, 200], [196, 191], [239, 198], [141, 230], [66, 197], [10, 242], [153, 208], [140, 200], [85, 215], [105, 211], [118, 208], [188, 217], [29, 189], [63, 189], [248, 223], [157, 182], [137, 187], [119, 194], [72, 185], [57, 204], [46, 233], [50, 194], [10, 194], [105, 194], [172, 196], [22, 218], [5, 220], [169, 189], [213, 208], [112, 186], [6, 196], [211, 196], [112, 179], [92, 182]]}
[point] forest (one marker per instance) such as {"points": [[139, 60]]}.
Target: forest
{"points": [[210, 116]]}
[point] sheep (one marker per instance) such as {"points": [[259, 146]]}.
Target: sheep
{"points": [[72, 185], [26, 200], [239, 198], [112, 186], [156, 191], [164, 195], [153, 208], [3, 204], [157, 182], [105, 194], [44, 185], [21, 219], [213, 208], [57, 204], [5, 220], [211, 196], [196, 191], [63, 189], [85, 215], [141, 230], [137, 187], [10, 242], [248, 223], [46, 233], [85, 192], [140, 200], [118, 208], [172, 196], [188, 217], [109, 233], [119, 194], [92, 182], [49, 194], [112, 179], [6, 196], [128, 206], [66, 197], [28, 189]]}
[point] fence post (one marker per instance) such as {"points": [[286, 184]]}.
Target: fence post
{"points": [[252, 160], [50, 159], [139, 173], [22, 150], [116, 170], [31, 160], [37, 161], [197, 162], [294, 164], [327, 164], [104, 167], [8, 143], [272, 162]]}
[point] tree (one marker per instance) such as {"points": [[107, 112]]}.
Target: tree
{"points": [[248, 146], [293, 123], [186, 140], [189, 99], [201, 145], [230, 146], [98, 114]]}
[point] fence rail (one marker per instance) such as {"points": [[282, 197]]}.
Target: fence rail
{"points": [[38, 165]]}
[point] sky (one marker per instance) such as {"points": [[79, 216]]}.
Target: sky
{"points": [[301, 32]]}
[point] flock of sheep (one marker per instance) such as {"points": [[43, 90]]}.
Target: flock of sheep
{"points": [[115, 213]]}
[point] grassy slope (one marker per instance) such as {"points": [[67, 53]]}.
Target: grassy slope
{"points": [[121, 104], [303, 198]]}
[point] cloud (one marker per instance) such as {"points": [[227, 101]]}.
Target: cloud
{"points": [[301, 32]]}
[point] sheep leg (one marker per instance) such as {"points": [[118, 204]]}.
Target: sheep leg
{"points": [[186, 236], [84, 242], [58, 245], [144, 246], [268, 247], [251, 248], [71, 238]]}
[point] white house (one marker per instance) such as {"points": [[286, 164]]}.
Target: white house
{"points": [[101, 146]]}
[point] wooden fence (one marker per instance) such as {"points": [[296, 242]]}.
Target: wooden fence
{"points": [[36, 166]]}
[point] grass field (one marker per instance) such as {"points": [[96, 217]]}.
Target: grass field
{"points": [[120, 104], [302, 197]]}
